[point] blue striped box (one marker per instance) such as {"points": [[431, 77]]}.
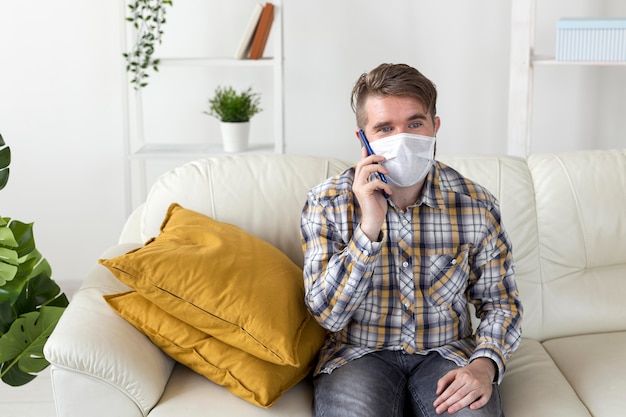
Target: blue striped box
{"points": [[591, 40]]}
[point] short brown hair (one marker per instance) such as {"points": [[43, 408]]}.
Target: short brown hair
{"points": [[393, 80]]}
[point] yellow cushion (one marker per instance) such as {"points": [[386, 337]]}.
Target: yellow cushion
{"points": [[248, 377], [224, 282]]}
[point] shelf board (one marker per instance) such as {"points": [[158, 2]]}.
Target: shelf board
{"points": [[217, 62], [191, 150], [550, 60]]}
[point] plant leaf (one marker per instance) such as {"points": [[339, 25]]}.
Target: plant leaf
{"points": [[4, 177], [7, 273], [23, 233], [14, 376], [5, 160], [8, 256], [6, 316], [38, 291], [7, 239], [21, 348], [5, 156]]}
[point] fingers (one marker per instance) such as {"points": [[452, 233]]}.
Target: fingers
{"points": [[365, 179], [459, 389], [367, 190]]}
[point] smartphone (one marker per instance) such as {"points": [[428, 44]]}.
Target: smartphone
{"points": [[366, 143]]}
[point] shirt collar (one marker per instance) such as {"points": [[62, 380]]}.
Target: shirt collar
{"points": [[431, 194]]}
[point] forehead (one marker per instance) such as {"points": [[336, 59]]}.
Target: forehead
{"points": [[392, 108]]}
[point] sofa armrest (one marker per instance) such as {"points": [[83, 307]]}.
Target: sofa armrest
{"points": [[131, 232], [97, 353]]}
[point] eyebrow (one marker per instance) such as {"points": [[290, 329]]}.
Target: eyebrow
{"points": [[416, 116]]}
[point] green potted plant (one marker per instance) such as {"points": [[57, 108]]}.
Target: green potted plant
{"points": [[31, 303], [234, 110]]}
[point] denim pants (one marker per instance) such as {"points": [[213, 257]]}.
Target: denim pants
{"points": [[389, 383]]}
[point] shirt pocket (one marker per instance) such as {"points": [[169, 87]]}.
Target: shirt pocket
{"points": [[449, 277]]}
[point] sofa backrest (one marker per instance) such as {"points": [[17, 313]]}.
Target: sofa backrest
{"points": [[581, 217], [565, 214], [262, 194]]}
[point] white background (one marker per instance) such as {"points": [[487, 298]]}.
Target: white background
{"points": [[62, 100]]}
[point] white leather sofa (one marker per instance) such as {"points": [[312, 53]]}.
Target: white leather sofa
{"points": [[566, 215]]}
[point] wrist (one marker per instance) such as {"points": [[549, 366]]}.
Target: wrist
{"points": [[486, 365], [373, 233]]}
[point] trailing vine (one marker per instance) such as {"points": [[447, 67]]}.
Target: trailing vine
{"points": [[147, 16]]}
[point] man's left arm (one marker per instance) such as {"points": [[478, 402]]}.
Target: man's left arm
{"points": [[494, 293], [496, 298]]}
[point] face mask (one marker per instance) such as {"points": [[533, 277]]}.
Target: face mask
{"points": [[408, 157]]}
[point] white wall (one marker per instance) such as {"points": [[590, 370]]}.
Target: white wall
{"points": [[60, 112], [61, 101]]}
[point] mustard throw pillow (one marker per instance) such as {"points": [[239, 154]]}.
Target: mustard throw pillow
{"points": [[248, 377], [224, 282]]}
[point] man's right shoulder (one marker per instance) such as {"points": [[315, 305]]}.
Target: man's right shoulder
{"points": [[331, 188]]}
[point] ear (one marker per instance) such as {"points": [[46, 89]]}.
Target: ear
{"points": [[437, 124], [358, 137]]}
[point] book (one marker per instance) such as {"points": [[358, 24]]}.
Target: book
{"points": [[262, 31], [246, 40]]}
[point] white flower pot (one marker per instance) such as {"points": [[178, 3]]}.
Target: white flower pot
{"points": [[235, 136]]}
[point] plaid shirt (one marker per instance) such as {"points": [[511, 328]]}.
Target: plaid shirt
{"points": [[411, 290]]}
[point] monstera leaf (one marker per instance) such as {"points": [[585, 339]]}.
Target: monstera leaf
{"points": [[21, 348], [31, 303], [5, 160]]}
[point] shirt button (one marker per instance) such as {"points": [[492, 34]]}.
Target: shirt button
{"points": [[407, 305], [453, 262], [405, 264], [366, 252]]}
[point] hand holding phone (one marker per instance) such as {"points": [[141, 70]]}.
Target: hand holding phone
{"points": [[371, 152]]}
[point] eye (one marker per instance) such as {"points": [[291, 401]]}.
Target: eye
{"points": [[385, 129], [415, 125]]}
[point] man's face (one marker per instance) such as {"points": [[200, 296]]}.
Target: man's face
{"points": [[391, 115]]}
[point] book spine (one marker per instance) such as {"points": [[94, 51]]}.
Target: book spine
{"points": [[262, 32]]}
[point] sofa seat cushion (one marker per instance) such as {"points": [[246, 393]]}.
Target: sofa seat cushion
{"points": [[189, 394], [594, 365], [534, 386]]}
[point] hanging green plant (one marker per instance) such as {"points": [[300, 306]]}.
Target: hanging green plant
{"points": [[31, 303], [147, 16]]}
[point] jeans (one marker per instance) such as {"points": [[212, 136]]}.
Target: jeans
{"points": [[389, 383]]}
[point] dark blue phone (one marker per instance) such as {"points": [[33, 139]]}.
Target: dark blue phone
{"points": [[366, 143]]}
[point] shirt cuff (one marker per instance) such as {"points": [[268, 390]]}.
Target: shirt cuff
{"points": [[364, 245], [493, 354]]}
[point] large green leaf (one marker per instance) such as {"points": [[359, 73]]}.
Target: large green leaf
{"points": [[6, 316], [18, 236], [7, 272], [5, 161], [24, 236], [5, 157], [21, 348], [8, 254], [38, 291], [6, 234]]}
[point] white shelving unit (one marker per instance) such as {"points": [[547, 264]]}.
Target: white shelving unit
{"points": [[523, 62], [140, 149]]}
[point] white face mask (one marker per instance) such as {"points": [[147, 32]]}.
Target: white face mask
{"points": [[408, 157]]}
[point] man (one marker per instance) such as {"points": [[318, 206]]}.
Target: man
{"points": [[396, 248]]}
